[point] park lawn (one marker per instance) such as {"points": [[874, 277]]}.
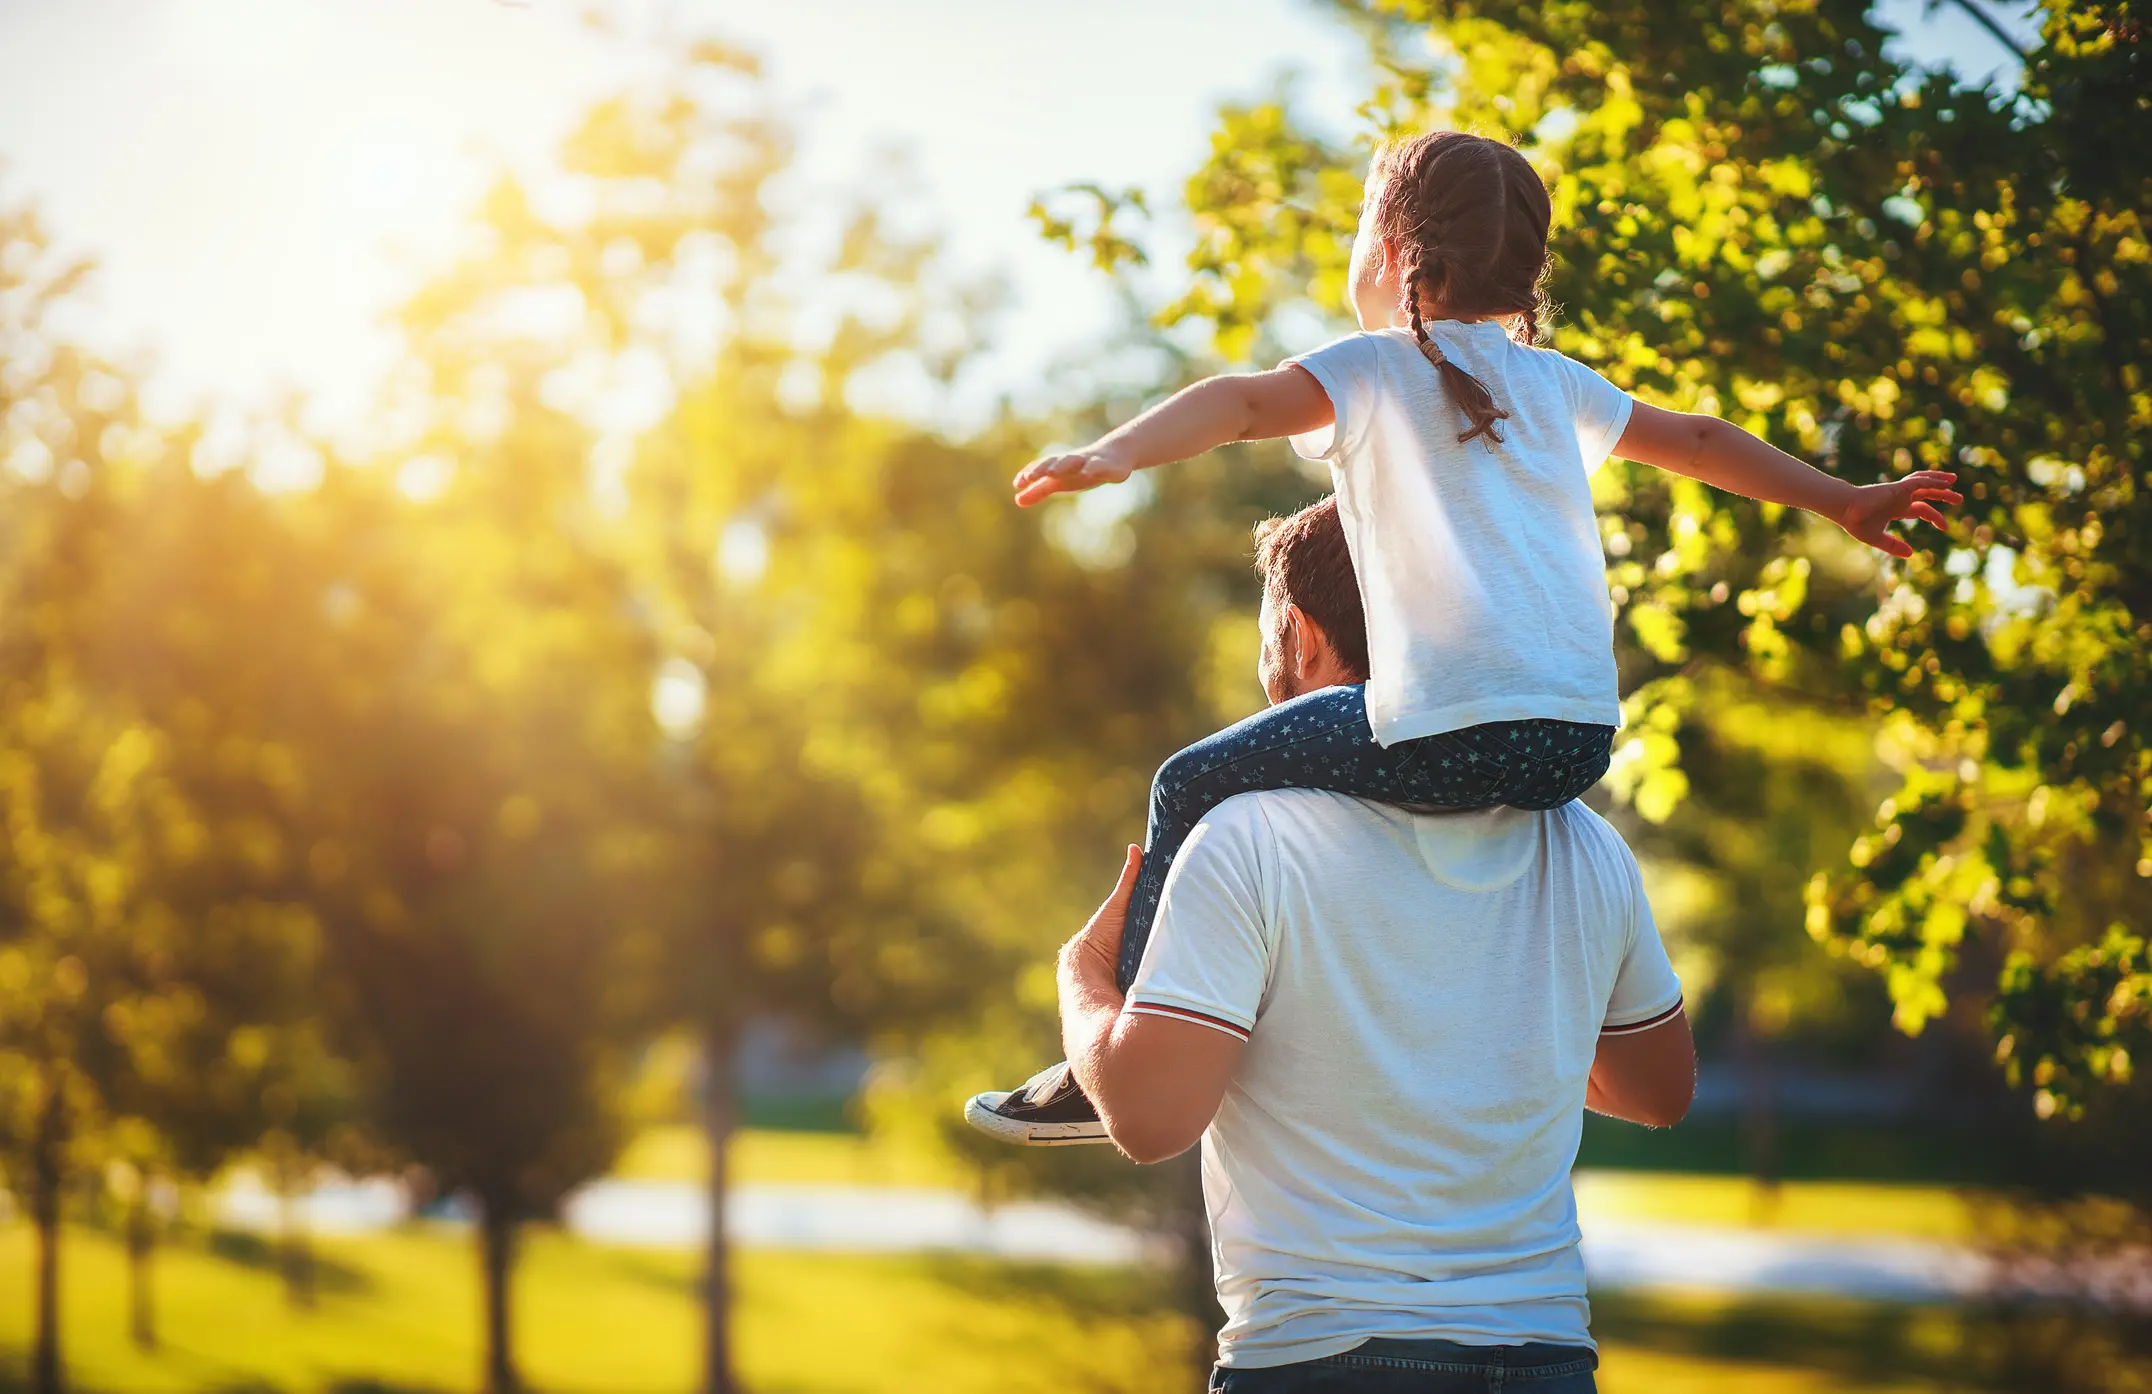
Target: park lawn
{"points": [[761, 1156], [399, 1313], [1870, 1209]]}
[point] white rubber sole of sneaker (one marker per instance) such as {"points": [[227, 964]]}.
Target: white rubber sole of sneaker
{"points": [[979, 1112]]}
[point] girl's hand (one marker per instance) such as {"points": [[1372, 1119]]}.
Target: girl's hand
{"points": [[1069, 474], [1874, 507]]}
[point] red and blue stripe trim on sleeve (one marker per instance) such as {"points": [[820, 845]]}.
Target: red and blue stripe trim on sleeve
{"points": [[1219, 1023], [1660, 1019]]}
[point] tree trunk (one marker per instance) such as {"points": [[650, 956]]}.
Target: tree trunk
{"points": [[719, 1117], [141, 1236], [295, 1253], [496, 1246], [1759, 1122], [45, 1179]]}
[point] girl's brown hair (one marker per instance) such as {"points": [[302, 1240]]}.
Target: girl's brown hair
{"points": [[1468, 218]]}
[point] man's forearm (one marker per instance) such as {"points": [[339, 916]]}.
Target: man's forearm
{"points": [[1090, 1005]]}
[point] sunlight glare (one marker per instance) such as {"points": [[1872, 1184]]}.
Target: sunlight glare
{"points": [[424, 478], [676, 698], [242, 37], [287, 464], [30, 461], [743, 552]]}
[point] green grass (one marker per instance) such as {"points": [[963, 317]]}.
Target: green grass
{"points": [[1700, 1344], [1857, 1208], [401, 1313], [675, 1152]]}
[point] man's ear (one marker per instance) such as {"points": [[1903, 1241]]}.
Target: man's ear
{"points": [[1310, 653]]}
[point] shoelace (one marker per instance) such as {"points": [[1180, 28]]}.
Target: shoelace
{"points": [[1043, 1085]]}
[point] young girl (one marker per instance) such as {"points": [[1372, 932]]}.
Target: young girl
{"points": [[1461, 455]]}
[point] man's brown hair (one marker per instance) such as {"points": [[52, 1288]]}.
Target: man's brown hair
{"points": [[1303, 560]]}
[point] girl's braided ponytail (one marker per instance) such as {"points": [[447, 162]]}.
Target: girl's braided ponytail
{"points": [[1470, 219], [1467, 391]]}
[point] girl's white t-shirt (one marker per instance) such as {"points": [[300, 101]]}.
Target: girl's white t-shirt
{"points": [[1480, 563]]}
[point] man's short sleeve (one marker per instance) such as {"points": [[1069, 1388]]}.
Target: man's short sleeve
{"points": [[1646, 992], [1208, 960], [1345, 370], [1602, 411]]}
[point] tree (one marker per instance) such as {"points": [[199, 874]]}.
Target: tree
{"points": [[197, 597], [88, 803], [891, 702], [158, 963], [1762, 214], [748, 519], [477, 758]]}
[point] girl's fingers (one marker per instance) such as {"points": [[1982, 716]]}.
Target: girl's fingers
{"points": [[1939, 495], [1927, 514], [1037, 488], [1047, 467], [1059, 482], [1055, 474], [1895, 545]]}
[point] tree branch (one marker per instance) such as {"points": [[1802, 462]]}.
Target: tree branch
{"points": [[1986, 21]]}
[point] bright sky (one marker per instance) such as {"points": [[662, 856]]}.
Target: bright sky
{"points": [[261, 178]]}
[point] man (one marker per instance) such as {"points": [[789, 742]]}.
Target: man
{"points": [[1385, 1026]]}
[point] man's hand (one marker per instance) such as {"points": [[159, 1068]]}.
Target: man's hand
{"points": [[1095, 953], [1156, 1080], [1874, 507], [1071, 473]]}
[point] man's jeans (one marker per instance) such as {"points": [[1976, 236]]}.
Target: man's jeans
{"points": [[1424, 1367]]}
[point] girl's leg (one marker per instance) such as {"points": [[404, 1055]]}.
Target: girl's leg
{"points": [[1549, 762], [1322, 741], [1279, 748], [1317, 741]]}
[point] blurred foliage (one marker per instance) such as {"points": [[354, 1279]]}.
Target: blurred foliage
{"points": [[382, 804], [1762, 214]]}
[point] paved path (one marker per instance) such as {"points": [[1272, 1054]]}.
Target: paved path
{"points": [[1727, 1259], [857, 1219]]}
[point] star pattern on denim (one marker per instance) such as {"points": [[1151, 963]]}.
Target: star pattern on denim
{"points": [[1322, 740]]}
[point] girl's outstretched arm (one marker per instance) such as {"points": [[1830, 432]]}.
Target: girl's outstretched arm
{"points": [[1724, 456], [1211, 413]]}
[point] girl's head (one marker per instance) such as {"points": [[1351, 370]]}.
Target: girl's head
{"points": [[1454, 227]]}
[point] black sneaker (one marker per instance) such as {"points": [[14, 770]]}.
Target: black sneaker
{"points": [[1051, 1110]]}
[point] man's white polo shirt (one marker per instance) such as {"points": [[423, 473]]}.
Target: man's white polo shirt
{"points": [[1422, 995]]}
